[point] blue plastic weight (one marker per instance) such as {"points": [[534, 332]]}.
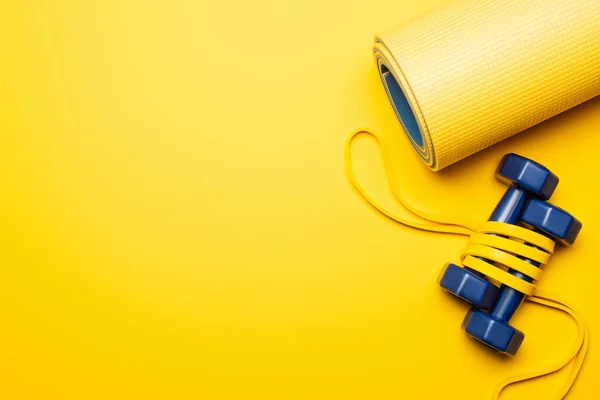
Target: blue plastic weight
{"points": [[525, 178], [551, 221], [527, 175], [493, 328]]}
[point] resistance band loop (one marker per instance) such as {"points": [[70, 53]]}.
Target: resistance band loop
{"points": [[502, 243]]}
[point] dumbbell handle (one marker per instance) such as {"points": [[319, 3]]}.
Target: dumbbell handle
{"points": [[509, 299], [508, 210]]}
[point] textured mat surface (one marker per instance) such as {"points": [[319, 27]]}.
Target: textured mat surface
{"points": [[475, 72]]}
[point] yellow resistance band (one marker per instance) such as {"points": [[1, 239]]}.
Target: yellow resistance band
{"points": [[484, 243]]}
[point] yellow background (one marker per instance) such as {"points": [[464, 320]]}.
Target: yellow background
{"points": [[176, 223]]}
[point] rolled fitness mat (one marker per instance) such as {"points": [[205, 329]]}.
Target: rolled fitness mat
{"points": [[471, 73]]}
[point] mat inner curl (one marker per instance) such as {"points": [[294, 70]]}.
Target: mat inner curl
{"points": [[403, 111]]}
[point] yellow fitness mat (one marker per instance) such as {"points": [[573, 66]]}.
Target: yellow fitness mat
{"points": [[473, 72]]}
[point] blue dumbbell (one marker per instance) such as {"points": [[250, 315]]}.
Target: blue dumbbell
{"points": [[492, 328], [525, 178]]}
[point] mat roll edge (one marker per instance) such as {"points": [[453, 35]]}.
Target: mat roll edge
{"points": [[471, 73]]}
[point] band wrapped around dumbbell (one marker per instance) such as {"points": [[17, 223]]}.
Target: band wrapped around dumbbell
{"points": [[519, 233], [546, 221], [526, 180], [510, 246], [506, 252], [500, 266]]}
